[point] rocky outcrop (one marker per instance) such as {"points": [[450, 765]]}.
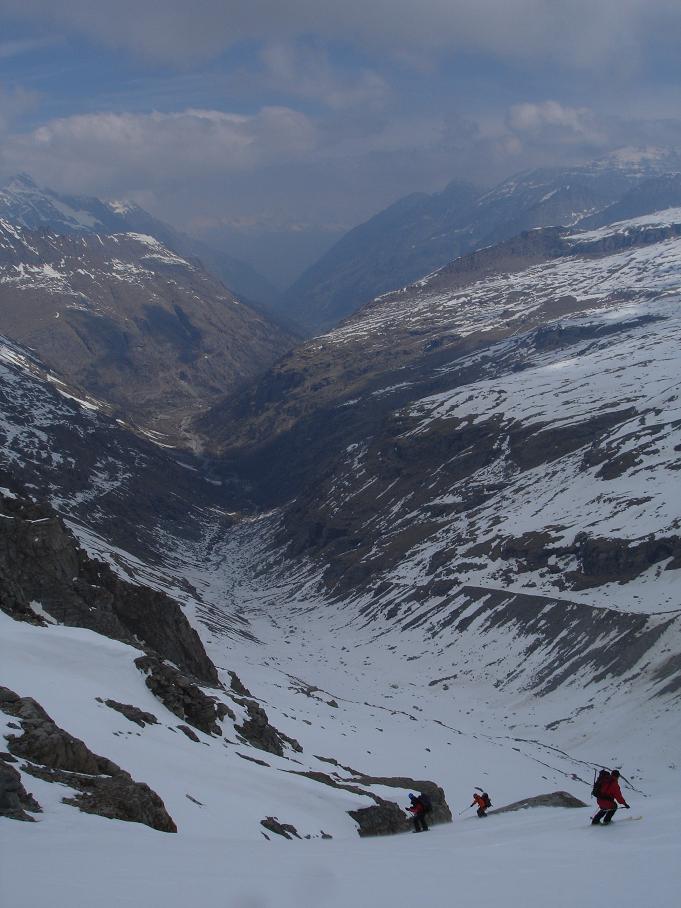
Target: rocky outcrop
{"points": [[133, 713], [118, 798], [259, 733], [182, 696], [385, 818], [15, 801], [54, 755], [41, 562], [554, 799], [283, 829]]}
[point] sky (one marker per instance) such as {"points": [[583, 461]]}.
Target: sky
{"points": [[273, 126]]}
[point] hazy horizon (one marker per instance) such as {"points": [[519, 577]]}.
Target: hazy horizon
{"points": [[273, 130]]}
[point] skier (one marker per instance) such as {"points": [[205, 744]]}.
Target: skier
{"points": [[483, 802], [608, 795], [418, 810]]}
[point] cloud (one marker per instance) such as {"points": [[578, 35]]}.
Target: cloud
{"points": [[14, 101], [308, 72], [553, 119], [108, 151], [575, 33]]}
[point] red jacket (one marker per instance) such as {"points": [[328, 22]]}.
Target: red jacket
{"points": [[609, 793]]}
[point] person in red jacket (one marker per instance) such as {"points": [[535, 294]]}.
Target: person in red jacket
{"points": [[418, 810], [609, 796]]}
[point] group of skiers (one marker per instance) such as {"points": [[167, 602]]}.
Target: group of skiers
{"points": [[606, 790], [421, 806]]}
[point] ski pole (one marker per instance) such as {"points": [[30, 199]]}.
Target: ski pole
{"points": [[464, 811]]}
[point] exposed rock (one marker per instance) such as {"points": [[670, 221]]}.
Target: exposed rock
{"points": [[56, 756], [258, 731], [120, 798], [384, 817], [45, 743], [14, 799], [252, 759], [554, 799], [283, 829], [381, 819], [40, 561], [133, 713], [183, 697], [238, 686], [189, 733]]}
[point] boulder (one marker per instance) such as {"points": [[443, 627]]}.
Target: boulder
{"points": [[553, 799]]}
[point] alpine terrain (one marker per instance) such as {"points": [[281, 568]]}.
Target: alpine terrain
{"points": [[254, 595]]}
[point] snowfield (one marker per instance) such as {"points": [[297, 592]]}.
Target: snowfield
{"points": [[531, 858]]}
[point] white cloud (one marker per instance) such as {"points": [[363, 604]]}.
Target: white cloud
{"points": [[308, 73], [553, 118], [97, 152]]}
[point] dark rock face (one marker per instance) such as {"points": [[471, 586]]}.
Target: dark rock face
{"points": [[15, 801], [237, 685], [381, 819], [554, 799], [45, 743], [282, 829], [133, 713], [41, 561], [182, 696], [56, 756], [259, 733], [120, 798]]}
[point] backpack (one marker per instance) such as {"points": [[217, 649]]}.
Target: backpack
{"points": [[426, 802], [603, 777], [485, 798]]}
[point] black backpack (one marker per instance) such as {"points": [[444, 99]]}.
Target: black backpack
{"points": [[427, 803], [603, 775], [485, 798]]}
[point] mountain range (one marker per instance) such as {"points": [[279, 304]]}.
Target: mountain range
{"points": [[255, 592], [421, 232]]}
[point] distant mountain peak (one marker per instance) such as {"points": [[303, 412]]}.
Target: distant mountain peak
{"points": [[20, 182]]}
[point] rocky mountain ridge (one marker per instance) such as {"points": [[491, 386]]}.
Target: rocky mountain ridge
{"points": [[24, 204], [129, 321], [421, 233]]}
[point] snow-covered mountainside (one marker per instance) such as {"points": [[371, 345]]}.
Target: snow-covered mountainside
{"points": [[465, 572], [24, 204], [130, 321], [420, 233]]}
